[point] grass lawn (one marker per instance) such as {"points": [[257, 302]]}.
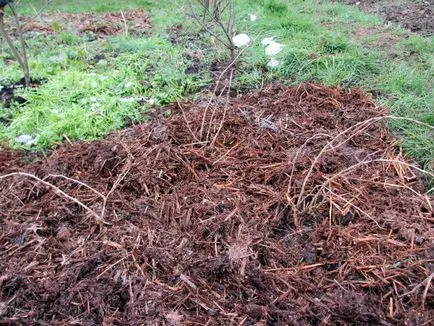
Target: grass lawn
{"points": [[93, 86]]}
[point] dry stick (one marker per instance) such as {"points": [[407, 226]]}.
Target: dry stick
{"points": [[393, 117], [425, 293], [122, 176], [216, 87], [352, 167], [42, 8], [23, 45], [227, 30], [288, 191], [354, 206], [394, 185], [11, 44], [125, 23], [110, 267], [344, 171], [224, 112], [186, 121], [231, 20], [56, 190], [75, 181], [214, 93], [428, 283], [296, 158], [364, 124], [105, 198], [227, 153], [318, 188], [209, 31]]}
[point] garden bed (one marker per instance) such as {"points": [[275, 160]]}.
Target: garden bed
{"points": [[284, 206]]}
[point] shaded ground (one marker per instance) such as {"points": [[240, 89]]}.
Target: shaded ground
{"points": [[285, 206], [102, 24], [417, 16], [7, 92]]}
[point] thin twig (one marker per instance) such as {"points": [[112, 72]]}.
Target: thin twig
{"points": [[363, 125], [216, 87], [11, 44], [75, 181], [186, 122], [23, 45], [125, 23], [56, 190], [47, 3], [121, 177], [224, 112]]}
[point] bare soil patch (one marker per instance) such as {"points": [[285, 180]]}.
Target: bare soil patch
{"points": [[417, 16], [8, 94], [135, 22], [285, 206]]}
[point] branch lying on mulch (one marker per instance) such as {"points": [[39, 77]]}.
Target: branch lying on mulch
{"points": [[278, 216]]}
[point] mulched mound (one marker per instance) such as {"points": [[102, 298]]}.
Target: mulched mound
{"points": [[417, 16], [285, 206], [133, 22]]}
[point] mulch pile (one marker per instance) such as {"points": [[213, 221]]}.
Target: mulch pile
{"points": [[417, 16], [133, 22], [285, 206]]}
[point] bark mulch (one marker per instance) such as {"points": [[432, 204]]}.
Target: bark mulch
{"points": [[288, 206]]}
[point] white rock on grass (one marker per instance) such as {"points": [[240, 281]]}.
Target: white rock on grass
{"points": [[241, 40], [140, 99], [273, 48], [149, 100], [26, 140], [273, 63], [266, 41], [127, 99], [129, 85], [253, 17]]}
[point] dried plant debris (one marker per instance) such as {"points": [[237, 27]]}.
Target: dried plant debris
{"points": [[417, 16], [133, 22], [286, 206]]}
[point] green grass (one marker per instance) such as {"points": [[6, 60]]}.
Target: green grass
{"points": [[335, 44], [85, 98], [32, 6], [324, 41]]}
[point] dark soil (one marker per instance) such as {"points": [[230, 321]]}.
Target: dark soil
{"points": [[134, 22], [415, 15], [234, 214], [7, 92], [7, 96]]}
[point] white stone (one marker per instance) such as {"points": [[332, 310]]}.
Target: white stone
{"points": [[273, 63], [253, 17], [129, 85], [127, 99], [267, 40], [241, 40], [273, 48], [151, 101], [26, 140]]}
